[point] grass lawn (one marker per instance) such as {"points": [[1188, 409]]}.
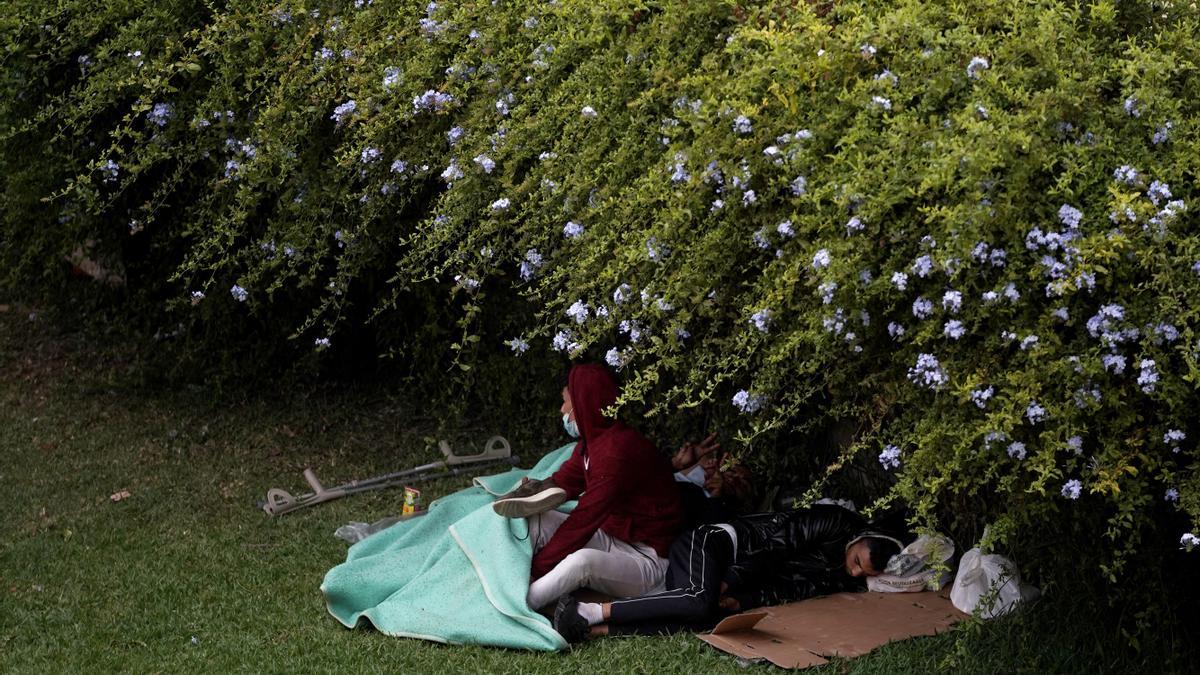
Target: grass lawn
{"points": [[186, 575]]}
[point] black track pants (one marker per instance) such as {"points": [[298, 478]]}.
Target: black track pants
{"points": [[698, 562]]}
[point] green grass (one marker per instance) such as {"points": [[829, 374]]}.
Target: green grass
{"points": [[186, 575]]}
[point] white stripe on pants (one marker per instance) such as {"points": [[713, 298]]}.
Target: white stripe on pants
{"points": [[604, 564]]}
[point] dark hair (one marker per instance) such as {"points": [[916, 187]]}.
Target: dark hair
{"points": [[882, 551]]}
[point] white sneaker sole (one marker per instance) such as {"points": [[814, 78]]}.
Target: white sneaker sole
{"points": [[523, 507]]}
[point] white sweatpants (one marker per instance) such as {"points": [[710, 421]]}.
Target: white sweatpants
{"points": [[604, 564]]}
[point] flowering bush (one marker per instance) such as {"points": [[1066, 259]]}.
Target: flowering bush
{"points": [[967, 227]]}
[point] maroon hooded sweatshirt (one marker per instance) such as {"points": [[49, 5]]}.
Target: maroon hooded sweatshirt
{"points": [[627, 487]]}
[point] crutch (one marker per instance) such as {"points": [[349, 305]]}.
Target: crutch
{"points": [[496, 451]]}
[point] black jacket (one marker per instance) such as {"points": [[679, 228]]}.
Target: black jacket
{"points": [[792, 555]]}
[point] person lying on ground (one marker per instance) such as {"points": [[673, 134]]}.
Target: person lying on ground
{"points": [[760, 559], [616, 539]]}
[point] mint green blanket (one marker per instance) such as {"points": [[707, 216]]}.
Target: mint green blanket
{"points": [[457, 575]]}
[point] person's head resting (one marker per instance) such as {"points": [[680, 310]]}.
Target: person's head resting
{"points": [[590, 388], [867, 556]]}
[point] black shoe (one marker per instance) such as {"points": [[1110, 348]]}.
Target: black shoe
{"points": [[567, 621]]}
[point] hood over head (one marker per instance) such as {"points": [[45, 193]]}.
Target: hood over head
{"points": [[592, 389]]}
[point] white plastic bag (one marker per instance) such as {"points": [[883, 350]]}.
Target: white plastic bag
{"points": [[354, 532], [989, 583], [916, 567]]}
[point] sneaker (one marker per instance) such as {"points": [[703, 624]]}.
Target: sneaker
{"points": [[523, 507], [567, 621]]}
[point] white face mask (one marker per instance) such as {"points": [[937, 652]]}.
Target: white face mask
{"points": [[569, 425]]}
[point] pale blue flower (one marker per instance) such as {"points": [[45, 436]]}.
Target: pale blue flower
{"points": [[981, 396], [821, 259], [238, 293], [1148, 377], [321, 343], [1189, 541], [1171, 495], [836, 323], [890, 457], [656, 251], [952, 301], [391, 77], [587, 111], [954, 329], [826, 290], [928, 372], [922, 308], [1162, 134], [370, 155], [867, 50], [1035, 413], [1174, 437], [531, 264], [502, 104], [578, 311], [399, 166], [160, 114], [854, 225], [633, 329], [1011, 292], [1070, 216], [1158, 191], [1016, 450], [682, 334], [454, 135], [1127, 174], [452, 172], [761, 320], [900, 280], [1072, 488], [679, 173], [993, 437], [922, 266], [431, 101], [564, 341], [895, 330], [1114, 363], [615, 358], [742, 125], [486, 163], [344, 111], [881, 102], [1130, 107], [748, 403], [622, 294], [976, 67], [572, 230], [501, 204], [1029, 342], [798, 186], [1075, 444], [785, 230], [1061, 314], [466, 282], [111, 170], [760, 239]]}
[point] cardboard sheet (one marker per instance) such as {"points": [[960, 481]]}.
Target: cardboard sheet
{"points": [[803, 634]]}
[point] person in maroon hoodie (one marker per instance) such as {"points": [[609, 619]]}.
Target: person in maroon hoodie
{"points": [[629, 512]]}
